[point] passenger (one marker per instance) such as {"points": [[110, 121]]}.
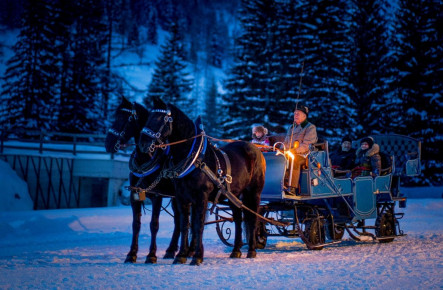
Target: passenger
{"points": [[368, 160], [305, 134], [260, 135], [344, 158]]}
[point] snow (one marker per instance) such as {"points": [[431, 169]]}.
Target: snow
{"points": [[14, 193], [57, 150], [85, 248]]}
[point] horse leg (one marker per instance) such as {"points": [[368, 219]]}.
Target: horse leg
{"points": [[182, 255], [253, 203], [251, 229], [193, 244], [136, 206], [198, 224], [238, 240], [151, 258], [173, 245]]}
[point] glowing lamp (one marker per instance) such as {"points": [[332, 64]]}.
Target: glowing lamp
{"points": [[314, 182]]}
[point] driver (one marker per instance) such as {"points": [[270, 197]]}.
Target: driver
{"points": [[298, 138]]}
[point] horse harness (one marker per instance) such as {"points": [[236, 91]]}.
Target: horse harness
{"points": [[133, 116], [157, 136], [195, 159]]}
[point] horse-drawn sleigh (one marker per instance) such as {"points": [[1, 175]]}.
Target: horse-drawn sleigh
{"points": [[174, 158], [329, 205]]}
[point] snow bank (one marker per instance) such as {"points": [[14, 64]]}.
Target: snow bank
{"points": [[14, 193], [85, 248]]}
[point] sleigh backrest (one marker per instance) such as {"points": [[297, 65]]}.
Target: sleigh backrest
{"points": [[406, 152]]}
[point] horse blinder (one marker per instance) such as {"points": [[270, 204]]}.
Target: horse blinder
{"points": [[159, 135]]}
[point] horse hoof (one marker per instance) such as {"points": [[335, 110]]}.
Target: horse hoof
{"points": [[169, 255], [151, 260], [196, 261], [180, 260], [235, 255], [251, 254], [130, 259]]}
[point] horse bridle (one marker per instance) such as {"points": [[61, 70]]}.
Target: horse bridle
{"points": [[167, 119], [133, 116]]}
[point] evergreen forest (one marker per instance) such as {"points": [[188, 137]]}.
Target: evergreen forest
{"points": [[363, 67]]}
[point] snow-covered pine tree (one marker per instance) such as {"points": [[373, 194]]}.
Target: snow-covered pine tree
{"points": [[171, 81], [140, 11], [152, 20], [166, 11], [84, 70], [215, 51], [289, 60], [211, 116], [327, 57], [420, 65], [10, 12], [433, 46], [370, 65], [29, 92], [124, 20], [251, 91], [133, 36]]}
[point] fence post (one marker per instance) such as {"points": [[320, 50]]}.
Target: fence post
{"points": [[75, 144], [41, 142], [2, 141]]}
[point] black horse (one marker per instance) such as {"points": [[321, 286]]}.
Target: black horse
{"points": [[145, 168], [193, 186]]}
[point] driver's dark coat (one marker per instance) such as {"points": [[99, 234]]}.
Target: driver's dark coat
{"points": [[344, 159]]}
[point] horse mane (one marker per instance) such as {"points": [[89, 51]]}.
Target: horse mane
{"points": [[183, 126], [140, 109]]}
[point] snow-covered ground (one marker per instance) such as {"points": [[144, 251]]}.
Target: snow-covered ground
{"points": [[85, 248], [14, 195]]}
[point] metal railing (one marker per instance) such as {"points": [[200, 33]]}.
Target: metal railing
{"points": [[58, 142]]}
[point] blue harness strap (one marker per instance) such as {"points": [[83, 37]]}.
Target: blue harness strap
{"points": [[201, 147], [153, 169]]}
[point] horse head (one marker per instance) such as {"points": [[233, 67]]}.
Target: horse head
{"points": [[158, 127], [128, 121]]}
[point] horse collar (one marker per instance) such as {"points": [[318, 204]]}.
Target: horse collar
{"points": [[194, 153], [149, 167]]}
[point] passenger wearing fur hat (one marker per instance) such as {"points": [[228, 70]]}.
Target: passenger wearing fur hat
{"points": [[344, 158], [368, 157], [300, 135], [260, 135]]}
